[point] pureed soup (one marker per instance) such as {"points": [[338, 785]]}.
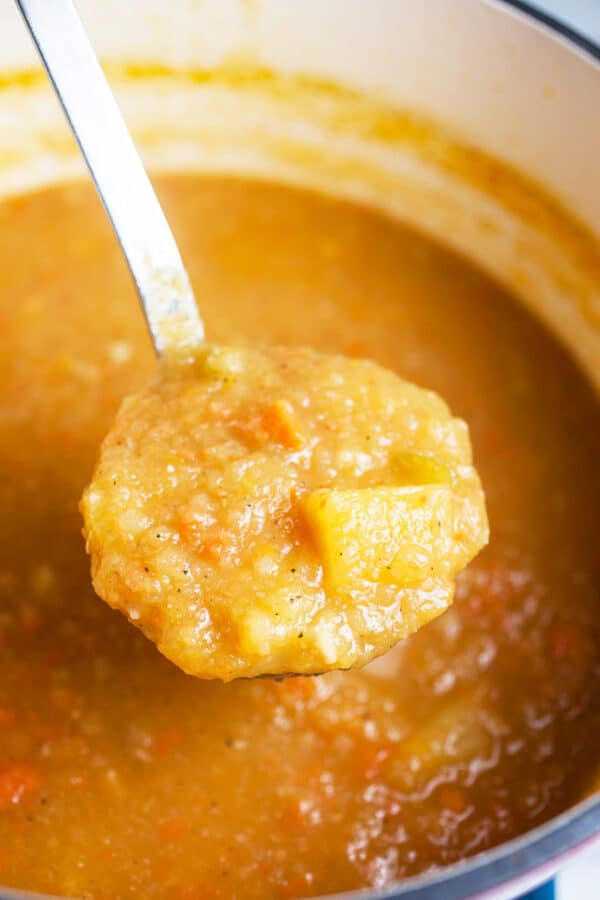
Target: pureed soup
{"points": [[122, 777], [280, 511]]}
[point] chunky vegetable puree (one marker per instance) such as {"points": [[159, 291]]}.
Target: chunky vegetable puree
{"points": [[120, 776], [270, 511]]}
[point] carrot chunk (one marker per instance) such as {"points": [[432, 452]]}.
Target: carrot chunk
{"points": [[279, 423]]}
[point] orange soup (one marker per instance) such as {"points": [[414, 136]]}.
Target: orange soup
{"points": [[120, 776]]}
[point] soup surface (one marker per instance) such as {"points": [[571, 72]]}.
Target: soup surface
{"points": [[122, 777]]}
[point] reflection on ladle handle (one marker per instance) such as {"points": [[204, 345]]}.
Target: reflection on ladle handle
{"points": [[117, 170]]}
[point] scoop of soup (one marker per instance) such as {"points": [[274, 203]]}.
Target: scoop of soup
{"points": [[281, 511]]}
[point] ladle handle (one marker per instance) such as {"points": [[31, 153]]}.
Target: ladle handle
{"points": [[126, 192]]}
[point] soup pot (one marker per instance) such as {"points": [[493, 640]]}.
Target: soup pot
{"points": [[474, 120]]}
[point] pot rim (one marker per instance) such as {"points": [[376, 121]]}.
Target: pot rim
{"points": [[527, 861], [524, 10]]}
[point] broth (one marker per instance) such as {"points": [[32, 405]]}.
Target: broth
{"points": [[122, 777]]}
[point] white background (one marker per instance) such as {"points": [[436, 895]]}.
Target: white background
{"points": [[582, 15]]}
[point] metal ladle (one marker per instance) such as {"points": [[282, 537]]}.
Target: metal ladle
{"points": [[143, 232]]}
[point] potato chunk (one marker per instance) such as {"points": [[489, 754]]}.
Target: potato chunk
{"points": [[465, 732], [390, 535], [267, 512]]}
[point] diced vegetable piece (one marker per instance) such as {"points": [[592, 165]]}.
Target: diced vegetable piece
{"points": [[279, 422], [464, 731], [419, 468], [397, 534]]}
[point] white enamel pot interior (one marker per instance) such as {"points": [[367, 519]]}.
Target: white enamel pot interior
{"points": [[471, 119]]}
